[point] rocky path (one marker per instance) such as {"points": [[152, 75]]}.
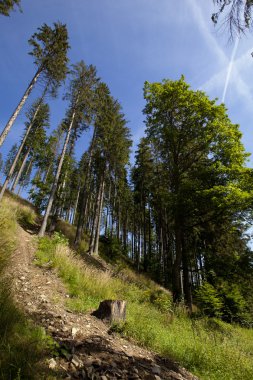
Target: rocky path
{"points": [[87, 350]]}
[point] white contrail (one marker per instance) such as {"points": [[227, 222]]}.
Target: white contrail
{"points": [[230, 69]]}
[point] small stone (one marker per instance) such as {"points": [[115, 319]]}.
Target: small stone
{"points": [[97, 362], [22, 278], [89, 370], [74, 331], [88, 361], [52, 364], [156, 370], [104, 377], [65, 329], [176, 376], [76, 361]]}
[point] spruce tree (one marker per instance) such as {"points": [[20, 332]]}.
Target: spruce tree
{"points": [[6, 6], [37, 120], [78, 117], [49, 49]]}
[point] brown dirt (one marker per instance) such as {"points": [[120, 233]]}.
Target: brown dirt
{"points": [[88, 350]]}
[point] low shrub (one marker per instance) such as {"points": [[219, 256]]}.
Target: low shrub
{"points": [[209, 300]]}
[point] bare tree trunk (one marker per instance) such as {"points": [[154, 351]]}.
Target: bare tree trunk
{"points": [[21, 187], [99, 217], [96, 219], [107, 210], [19, 107], [75, 207], [83, 206], [56, 179], [20, 171], [176, 280], [13, 166]]}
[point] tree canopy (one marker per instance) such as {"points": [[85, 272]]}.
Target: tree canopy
{"points": [[6, 6]]}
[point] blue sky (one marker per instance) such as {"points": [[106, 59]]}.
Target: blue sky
{"points": [[130, 41]]}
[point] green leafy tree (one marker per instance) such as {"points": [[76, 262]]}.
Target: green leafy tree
{"points": [[202, 160]]}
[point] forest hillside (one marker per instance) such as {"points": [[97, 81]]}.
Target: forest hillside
{"points": [[149, 218]]}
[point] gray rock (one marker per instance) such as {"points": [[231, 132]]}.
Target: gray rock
{"points": [[156, 370]]}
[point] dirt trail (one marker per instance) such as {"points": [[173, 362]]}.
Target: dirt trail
{"points": [[88, 351]]}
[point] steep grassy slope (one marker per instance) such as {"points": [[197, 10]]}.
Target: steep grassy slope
{"points": [[207, 347]]}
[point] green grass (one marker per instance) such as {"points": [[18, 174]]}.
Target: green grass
{"points": [[209, 348], [22, 345]]}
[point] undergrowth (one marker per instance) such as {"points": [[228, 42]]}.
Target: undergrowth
{"points": [[208, 347], [22, 345]]}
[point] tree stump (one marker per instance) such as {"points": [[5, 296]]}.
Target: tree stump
{"points": [[111, 311]]}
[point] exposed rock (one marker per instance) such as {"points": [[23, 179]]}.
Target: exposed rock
{"points": [[52, 364], [156, 370], [74, 331]]}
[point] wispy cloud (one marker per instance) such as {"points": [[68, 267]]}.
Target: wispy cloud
{"points": [[231, 77], [202, 23], [234, 79], [230, 66]]}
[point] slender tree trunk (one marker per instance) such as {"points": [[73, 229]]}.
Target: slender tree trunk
{"points": [[75, 206], [20, 190], [107, 209], [19, 107], [96, 218], [99, 217], [13, 166], [56, 179], [83, 206], [186, 280], [22, 145], [93, 226], [47, 172], [118, 222], [20, 171], [21, 187], [176, 280]]}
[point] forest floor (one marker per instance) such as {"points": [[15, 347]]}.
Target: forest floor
{"points": [[87, 349]]}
